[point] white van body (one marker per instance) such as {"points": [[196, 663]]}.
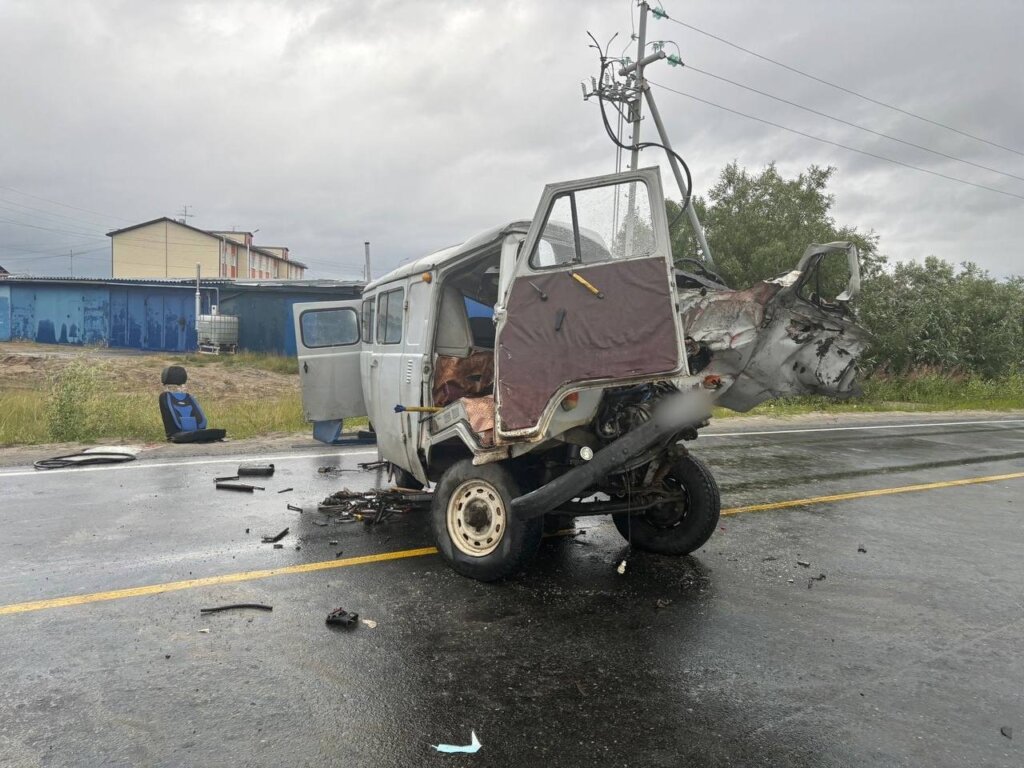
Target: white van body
{"points": [[542, 362]]}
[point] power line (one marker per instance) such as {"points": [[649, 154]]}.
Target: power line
{"points": [[63, 205], [836, 143], [852, 124], [837, 87]]}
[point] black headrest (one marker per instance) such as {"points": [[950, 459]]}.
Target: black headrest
{"points": [[173, 375]]}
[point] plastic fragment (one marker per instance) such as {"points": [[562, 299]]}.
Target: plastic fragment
{"points": [[339, 617], [370, 623], [473, 746]]}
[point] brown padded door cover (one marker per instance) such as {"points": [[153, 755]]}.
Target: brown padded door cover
{"points": [[630, 332]]}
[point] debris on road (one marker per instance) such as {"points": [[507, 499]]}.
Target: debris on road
{"points": [[225, 479], [276, 537], [861, 549], [366, 466], [1007, 731], [279, 546], [375, 506], [293, 508], [333, 542], [332, 470], [204, 631], [339, 617], [239, 487], [768, 559], [472, 747], [662, 602], [253, 469], [285, 490], [237, 606], [370, 623], [339, 553], [819, 577], [803, 563]]}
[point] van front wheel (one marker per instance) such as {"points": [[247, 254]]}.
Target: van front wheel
{"points": [[474, 528]]}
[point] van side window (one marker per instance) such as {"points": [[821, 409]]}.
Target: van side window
{"points": [[390, 309], [368, 321], [329, 327]]}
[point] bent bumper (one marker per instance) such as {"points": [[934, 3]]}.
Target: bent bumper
{"points": [[675, 414]]}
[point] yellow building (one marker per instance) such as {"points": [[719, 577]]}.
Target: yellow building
{"points": [[167, 248]]}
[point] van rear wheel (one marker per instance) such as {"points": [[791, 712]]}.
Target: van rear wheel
{"points": [[475, 531], [682, 527]]}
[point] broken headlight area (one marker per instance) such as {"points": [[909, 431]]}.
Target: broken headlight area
{"points": [[794, 335]]}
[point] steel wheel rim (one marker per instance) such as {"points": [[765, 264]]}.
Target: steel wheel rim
{"points": [[476, 517]]}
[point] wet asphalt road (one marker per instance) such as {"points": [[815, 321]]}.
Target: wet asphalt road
{"points": [[907, 654]]}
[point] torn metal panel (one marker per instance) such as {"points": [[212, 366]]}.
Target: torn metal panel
{"points": [[779, 338]]}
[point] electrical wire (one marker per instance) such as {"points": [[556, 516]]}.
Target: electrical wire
{"points": [[836, 86], [635, 147], [837, 144], [692, 68]]}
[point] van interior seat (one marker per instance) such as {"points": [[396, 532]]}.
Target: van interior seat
{"points": [[469, 376]]}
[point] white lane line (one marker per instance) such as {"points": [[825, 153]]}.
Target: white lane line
{"points": [[196, 462], [866, 426]]}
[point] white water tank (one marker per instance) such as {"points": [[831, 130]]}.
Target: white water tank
{"points": [[218, 329]]}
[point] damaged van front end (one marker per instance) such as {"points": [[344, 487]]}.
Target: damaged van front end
{"points": [[781, 337]]}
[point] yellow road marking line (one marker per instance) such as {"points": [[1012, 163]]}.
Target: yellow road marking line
{"points": [[233, 578], [868, 494], [209, 581]]}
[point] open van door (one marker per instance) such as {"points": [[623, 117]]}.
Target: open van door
{"points": [[592, 298], [327, 339]]}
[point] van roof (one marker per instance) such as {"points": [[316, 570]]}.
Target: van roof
{"points": [[452, 253]]}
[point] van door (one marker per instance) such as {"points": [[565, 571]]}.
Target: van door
{"points": [[592, 298], [328, 342]]}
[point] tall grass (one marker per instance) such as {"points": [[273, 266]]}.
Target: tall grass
{"points": [[259, 360], [78, 410]]}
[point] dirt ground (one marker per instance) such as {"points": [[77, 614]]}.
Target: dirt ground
{"points": [[25, 365]]}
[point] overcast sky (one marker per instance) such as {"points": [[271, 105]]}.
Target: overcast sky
{"points": [[416, 124]]}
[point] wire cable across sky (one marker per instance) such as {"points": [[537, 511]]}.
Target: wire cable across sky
{"points": [[666, 17], [836, 143]]}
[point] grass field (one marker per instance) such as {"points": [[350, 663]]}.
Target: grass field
{"points": [[84, 400]]}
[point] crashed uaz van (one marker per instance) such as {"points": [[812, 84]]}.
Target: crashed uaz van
{"points": [[560, 367]]}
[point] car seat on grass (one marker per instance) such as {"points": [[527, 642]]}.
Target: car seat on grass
{"points": [[184, 420]]}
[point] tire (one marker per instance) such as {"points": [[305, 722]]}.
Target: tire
{"points": [[677, 529], [473, 526]]}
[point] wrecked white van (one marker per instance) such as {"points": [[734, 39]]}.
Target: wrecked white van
{"points": [[558, 367]]}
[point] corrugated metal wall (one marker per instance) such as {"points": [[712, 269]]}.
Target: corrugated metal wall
{"points": [[265, 321], [151, 317], [141, 317]]}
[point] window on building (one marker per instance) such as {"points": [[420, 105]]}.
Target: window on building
{"points": [[390, 309]]}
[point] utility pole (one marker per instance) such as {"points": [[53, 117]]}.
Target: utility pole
{"points": [[366, 269], [634, 92], [185, 215], [71, 260]]}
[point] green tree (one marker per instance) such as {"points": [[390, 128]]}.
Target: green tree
{"points": [[758, 225]]}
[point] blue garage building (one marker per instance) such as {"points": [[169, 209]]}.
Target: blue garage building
{"points": [[156, 315]]}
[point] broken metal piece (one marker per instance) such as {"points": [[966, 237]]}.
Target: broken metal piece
{"points": [[293, 508], [275, 538], [803, 563], [225, 479], [245, 487], [252, 469], [861, 549], [279, 546], [369, 465], [285, 490], [339, 617], [236, 606]]}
